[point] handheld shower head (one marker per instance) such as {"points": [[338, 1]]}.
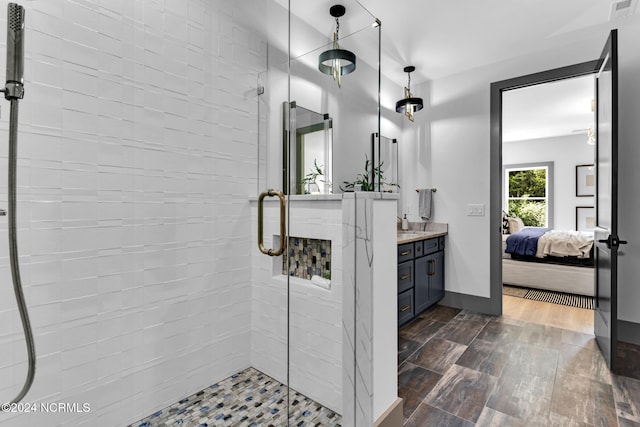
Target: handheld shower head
{"points": [[15, 52], [13, 91]]}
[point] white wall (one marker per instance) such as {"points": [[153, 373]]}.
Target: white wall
{"points": [[136, 154], [455, 130], [415, 157], [565, 152]]}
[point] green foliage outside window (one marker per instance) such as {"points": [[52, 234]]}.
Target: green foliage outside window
{"points": [[525, 185], [531, 212], [528, 183]]}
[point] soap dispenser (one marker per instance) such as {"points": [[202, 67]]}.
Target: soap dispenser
{"points": [[405, 223]]}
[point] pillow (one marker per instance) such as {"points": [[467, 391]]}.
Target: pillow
{"points": [[515, 224], [505, 223]]}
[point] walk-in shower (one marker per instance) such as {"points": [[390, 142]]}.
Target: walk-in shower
{"points": [[150, 130], [14, 91]]}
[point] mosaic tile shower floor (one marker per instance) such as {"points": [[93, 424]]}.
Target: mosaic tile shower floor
{"points": [[246, 399]]}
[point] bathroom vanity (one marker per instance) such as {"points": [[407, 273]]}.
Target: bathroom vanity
{"points": [[420, 272]]}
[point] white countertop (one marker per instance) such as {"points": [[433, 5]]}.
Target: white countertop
{"points": [[414, 236], [415, 233]]}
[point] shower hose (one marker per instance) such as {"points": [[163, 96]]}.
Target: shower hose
{"points": [[13, 252]]}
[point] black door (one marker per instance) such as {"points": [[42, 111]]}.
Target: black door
{"points": [[606, 227]]}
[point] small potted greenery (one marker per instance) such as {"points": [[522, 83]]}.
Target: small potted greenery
{"points": [[364, 180], [311, 178]]}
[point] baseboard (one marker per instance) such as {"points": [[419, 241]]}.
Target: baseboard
{"points": [[629, 332], [392, 417], [472, 302]]}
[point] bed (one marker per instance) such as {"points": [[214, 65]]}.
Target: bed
{"points": [[554, 260]]}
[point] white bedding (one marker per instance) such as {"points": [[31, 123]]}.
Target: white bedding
{"points": [[561, 243]]}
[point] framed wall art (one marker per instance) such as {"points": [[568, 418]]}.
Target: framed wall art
{"points": [[585, 218], [585, 180]]}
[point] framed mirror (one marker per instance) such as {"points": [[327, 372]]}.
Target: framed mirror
{"points": [[385, 174], [384, 157], [310, 156]]}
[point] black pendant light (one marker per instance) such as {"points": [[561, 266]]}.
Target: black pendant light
{"points": [[409, 105], [337, 62]]}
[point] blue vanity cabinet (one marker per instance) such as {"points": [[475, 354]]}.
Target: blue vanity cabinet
{"points": [[405, 276], [436, 278], [405, 307], [406, 252], [421, 289], [426, 285]]}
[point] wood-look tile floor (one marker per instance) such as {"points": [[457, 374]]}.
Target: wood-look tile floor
{"points": [[458, 368], [559, 316]]}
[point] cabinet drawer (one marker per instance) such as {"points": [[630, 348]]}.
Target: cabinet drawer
{"points": [[418, 248], [405, 307], [441, 243], [405, 252], [405, 276], [430, 246]]}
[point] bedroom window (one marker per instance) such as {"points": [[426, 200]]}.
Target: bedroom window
{"points": [[528, 193]]}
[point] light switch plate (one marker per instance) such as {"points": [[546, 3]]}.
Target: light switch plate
{"points": [[475, 210]]}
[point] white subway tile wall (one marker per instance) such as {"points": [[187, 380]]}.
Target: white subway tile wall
{"points": [[137, 151], [316, 314]]}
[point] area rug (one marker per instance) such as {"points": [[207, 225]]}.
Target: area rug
{"points": [[514, 291], [561, 298]]}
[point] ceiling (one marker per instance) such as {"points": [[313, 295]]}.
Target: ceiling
{"points": [[552, 109], [447, 37]]}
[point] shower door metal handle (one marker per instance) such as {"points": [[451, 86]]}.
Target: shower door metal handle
{"points": [[271, 193]]}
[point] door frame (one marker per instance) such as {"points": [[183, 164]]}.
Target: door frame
{"points": [[495, 171]]}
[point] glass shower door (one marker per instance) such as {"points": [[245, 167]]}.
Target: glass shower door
{"points": [[269, 228], [338, 98], [314, 132]]}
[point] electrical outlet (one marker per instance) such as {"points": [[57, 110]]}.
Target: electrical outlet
{"points": [[475, 210]]}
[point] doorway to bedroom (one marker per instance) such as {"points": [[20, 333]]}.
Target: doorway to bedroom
{"points": [[548, 189]]}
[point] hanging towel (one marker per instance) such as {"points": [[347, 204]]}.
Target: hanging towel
{"points": [[425, 203]]}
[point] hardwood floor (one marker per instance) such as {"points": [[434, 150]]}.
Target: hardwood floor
{"points": [[544, 313], [458, 368]]}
